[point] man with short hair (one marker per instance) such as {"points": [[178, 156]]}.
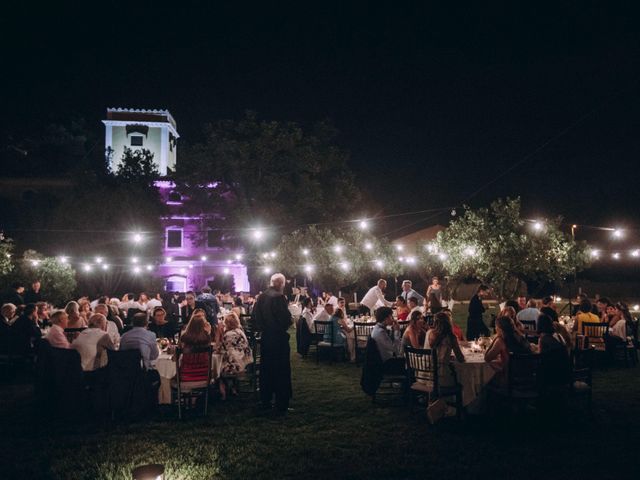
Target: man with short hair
{"points": [[522, 302], [127, 303], [42, 310], [159, 324], [272, 317], [602, 303], [408, 292], [531, 313], [332, 299], [92, 344], [389, 348], [112, 328], [413, 306], [56, 337], [374, 298], [549, 308], [139, 338], [33, 295], [325, 314]]}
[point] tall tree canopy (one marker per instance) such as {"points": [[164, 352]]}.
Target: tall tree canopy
{"points": [[497, 246], [269, 171]]}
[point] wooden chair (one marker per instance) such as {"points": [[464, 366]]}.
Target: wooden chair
{"points": [[362, 332], [522, 384], [403, 324], [530, 330], [422, 376], [322, 327], [582, 378], [193, 376], [596, 333]]}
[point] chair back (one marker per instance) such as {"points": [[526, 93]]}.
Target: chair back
{"points": [[403, 324], [128, 395], [423, 365], [194, 365], [595, 329], [59, 380], [529, 326], [227, 305], [245, 321], [582, 364], [523, 372], [362, 332], [320, 327]]}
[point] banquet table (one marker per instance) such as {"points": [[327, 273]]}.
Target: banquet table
{"points": [[166, 367], [473, 374]]}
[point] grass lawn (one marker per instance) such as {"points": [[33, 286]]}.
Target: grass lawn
{"points": [[334, 432]]}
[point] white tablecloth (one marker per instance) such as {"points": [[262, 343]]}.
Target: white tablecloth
{"points": [[474, 374], [166, 367]]}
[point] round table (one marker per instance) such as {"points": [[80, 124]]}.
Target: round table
{"points": [[166, 367], [473, 374]]}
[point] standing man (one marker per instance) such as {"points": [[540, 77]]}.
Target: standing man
{"points": [[408, 292], [33, 295], [374, 297], [475, 323], [271, 316]]}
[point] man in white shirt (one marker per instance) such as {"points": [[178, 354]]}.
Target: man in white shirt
{"points": [[153, 303], [56, 337], [374, 298], [325, 314], [128, 303], [92, 344], [112, 328], [333, 300], [139, 338], [531, 313]]}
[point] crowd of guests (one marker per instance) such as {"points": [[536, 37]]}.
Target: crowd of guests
{"points": [[132, 322]]}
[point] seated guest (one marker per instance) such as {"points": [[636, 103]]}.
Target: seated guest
{"points": [[113, 314], [549, 308], [7, 315], [325, 314], [235, 350], [530, 314], [443, 342], [413, 306], [72, 309], [308, 312], [139, 338], [506, 340], [510, 312], [457, 331], [56, 336], [522, 303], [415, 333], [84, 307], [25, 331], [197, 333], [112, 328], [339, 334], [602, 304], [554, 368], [389, 347], [238, 307], [342, 305], [402, 311], [189, 306], [584, 315], [42, 310], [93, 342], [159, 324], [617, 330]]}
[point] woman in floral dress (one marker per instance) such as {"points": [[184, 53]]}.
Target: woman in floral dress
{"points": [[236, 353]]}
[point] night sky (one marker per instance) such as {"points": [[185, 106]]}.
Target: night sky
{"points": [[431, 104]]}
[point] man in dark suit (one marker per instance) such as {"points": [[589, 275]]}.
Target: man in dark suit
{"points": [[33, 295], [475, 323], [271, 316]]}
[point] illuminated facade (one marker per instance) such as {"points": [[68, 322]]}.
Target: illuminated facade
{"points": [[194, 254]]}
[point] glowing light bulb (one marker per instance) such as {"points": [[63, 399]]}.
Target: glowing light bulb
{"points": [[134, 260], [305, 251], [137, 238], [618, 233], [368, 245], [379, 263], [616, 256], [149, 267], [399, 247], [363, 224], [136, 269], [105, 266], [86, 267], [267, 269], [225, 271], [337, 248], [203, 258], [537, 226], [98, 260], [63, 259], [169, 259]]}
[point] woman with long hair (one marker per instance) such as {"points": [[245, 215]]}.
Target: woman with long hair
{"points": [[197, 333], [416, 331], [402, 311], [507, 340], [443, 342], [72, 309]]}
